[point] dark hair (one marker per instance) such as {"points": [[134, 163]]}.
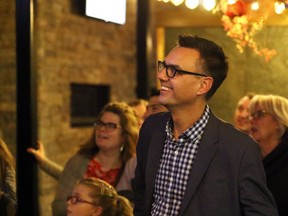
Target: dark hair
{"points": [[129, 125], [214, 63]]}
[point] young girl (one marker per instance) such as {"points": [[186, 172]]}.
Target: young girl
{"points": [[95, 197]]}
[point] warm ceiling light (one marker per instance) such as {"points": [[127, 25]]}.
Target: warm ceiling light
{"points": [[192, 4], [279, 7], [209, 4], [177, 2], [230, 2], [255, 6]]}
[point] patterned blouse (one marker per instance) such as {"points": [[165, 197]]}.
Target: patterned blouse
{"points": [[94, 169]]}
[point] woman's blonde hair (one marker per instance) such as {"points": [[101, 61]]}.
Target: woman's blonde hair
{"points": [[6, 159], [106, 196], [275, 105]]}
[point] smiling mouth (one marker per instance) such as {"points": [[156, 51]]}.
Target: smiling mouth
{"points": [[165, 88], [102, 136]]}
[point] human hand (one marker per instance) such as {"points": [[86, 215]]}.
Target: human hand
{"points": [[38, 153]]}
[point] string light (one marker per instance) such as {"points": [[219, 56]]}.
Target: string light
{"points": [[192, 4], [255, 6], [209, 4], [279, 5]]}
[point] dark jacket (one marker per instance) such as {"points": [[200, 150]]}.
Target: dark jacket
{"points": [[227, 177], [276, 168]]}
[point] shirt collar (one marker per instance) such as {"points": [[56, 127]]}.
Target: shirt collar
{"points": [[195, 130]]}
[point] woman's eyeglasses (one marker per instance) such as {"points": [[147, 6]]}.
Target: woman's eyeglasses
{"points": [[75, 200], [258, 114], [171, 70], [109, 126]]}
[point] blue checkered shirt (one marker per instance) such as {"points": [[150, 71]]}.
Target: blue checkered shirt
{"points": [[175, 166]]}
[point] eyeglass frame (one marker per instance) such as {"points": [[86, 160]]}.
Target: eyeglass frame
{"points": [[258, 114], [75, 200], [109, 126], [175, 70]]}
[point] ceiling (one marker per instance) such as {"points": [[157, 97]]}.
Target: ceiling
{"points": [[168, 15]]}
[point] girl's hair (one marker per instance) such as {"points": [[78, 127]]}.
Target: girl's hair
{"points": [[6, 160], [130, 130], [106, 196], [275, 105]]}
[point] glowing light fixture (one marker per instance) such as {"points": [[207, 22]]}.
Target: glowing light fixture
{"points": [[192, 4], [255, 6], [230, 2], [279, 7], [209, 4], [177, 2]]}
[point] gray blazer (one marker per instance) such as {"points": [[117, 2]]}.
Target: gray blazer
{"points": [[227, 178]]}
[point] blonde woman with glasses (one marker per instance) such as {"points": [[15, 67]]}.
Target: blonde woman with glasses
{"points": [[269, 123], [95, 197], [104, 155]]}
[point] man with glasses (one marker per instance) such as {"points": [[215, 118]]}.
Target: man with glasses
{"points": [[189, 162]]}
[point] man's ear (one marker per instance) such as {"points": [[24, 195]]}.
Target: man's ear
{"points": [[98, 210], [205, 85]]}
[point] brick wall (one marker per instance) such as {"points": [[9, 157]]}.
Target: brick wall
{"points": [[78, 49], [69, 47], [8, 74]]}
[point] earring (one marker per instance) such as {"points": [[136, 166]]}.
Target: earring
{"points": [[122, 148]]}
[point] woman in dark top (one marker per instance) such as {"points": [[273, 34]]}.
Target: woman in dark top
{"points": [[269, 123]]}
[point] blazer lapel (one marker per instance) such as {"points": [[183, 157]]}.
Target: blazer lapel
{"points": [[207, 150], [154, 155]]}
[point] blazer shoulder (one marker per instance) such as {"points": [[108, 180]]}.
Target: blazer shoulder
{"points": [[158, 118], [228, 133]]}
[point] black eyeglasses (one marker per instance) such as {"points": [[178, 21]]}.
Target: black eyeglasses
{"points": [[75, 200], [171, 70], [109, 126], [258, 114]]}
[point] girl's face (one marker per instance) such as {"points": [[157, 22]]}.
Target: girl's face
{"points": [[109, 132], [81, 204]]}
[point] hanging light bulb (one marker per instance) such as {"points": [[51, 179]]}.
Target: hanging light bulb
{"points": [[209, 4], [279, 7], [165, 1], [255, 6], [230, 2], [177, 2], [192, 4]]}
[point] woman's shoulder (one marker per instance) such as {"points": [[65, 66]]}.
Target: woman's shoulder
{"points": [[131, 162], [77, 159]]}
